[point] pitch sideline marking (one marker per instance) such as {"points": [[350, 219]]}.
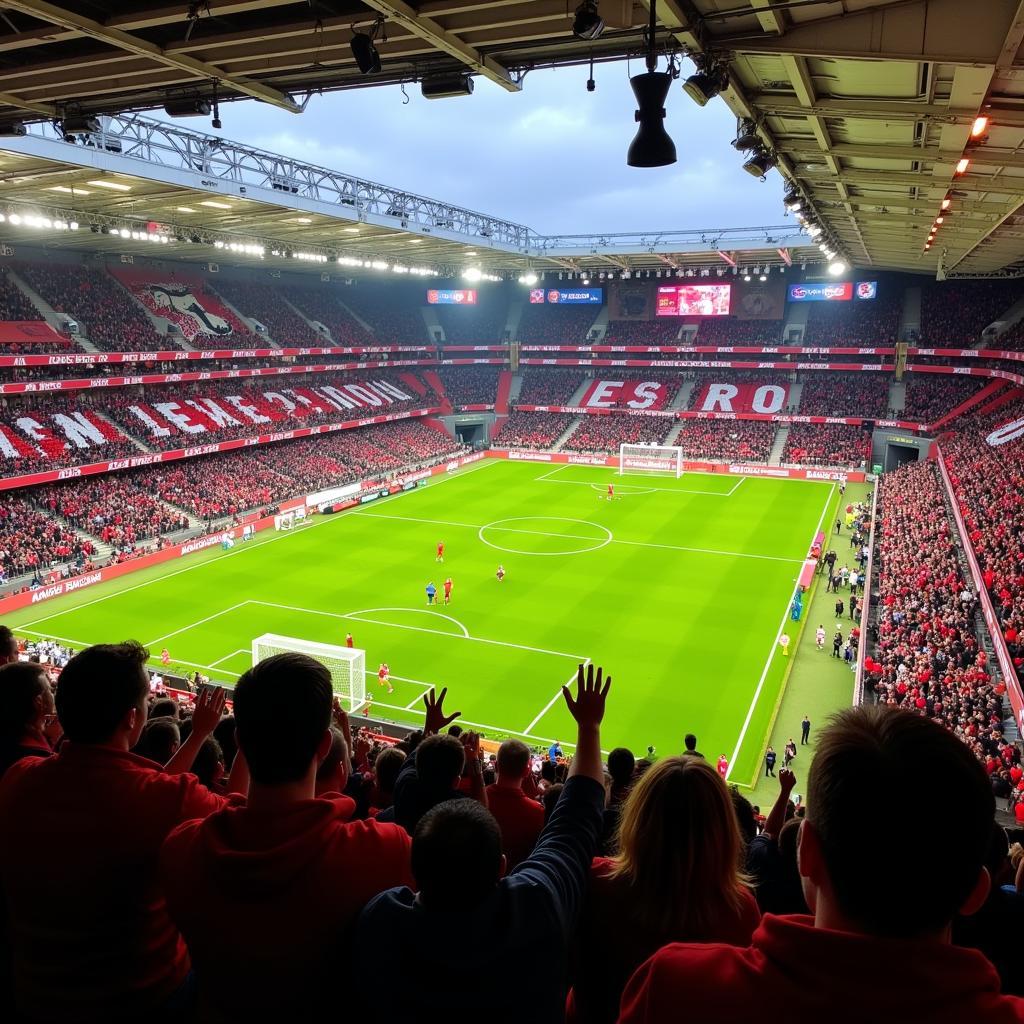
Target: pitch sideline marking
{"points": [[241, 650], [192, 625], [550, 704], [243, 548], [771, 656]]}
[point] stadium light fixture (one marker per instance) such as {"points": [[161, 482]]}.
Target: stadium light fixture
{"points": [[651, 146], [837, 268], [529, 278], [472, 274], [12, 130], [746, 277], [792, 201], [763, 277], [588, 23], [746, 136], [586, 280], [188, 106], [707, 83], [962, 164], [365, 52], [946, 202], [760, 162], [979, 127]]}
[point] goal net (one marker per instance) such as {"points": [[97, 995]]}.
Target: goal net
{"points": [[648, 459], [289, 520], [347, 665]]}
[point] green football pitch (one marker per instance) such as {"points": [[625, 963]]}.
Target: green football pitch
{"points": [[679, 588]]}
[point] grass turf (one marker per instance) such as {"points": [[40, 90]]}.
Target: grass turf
{"points": [[679, 588]]}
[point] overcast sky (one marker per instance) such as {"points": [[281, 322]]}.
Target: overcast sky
{"points": [[552, 157]]}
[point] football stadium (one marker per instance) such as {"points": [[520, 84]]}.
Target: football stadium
{"points": [[634, 599]]}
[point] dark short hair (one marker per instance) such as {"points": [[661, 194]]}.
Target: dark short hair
{"points": [[204, 767], [872, 767], [690, 741], [439, 762], [158, 740], [513, 757], [282, 709], [164, 707], [98, 687], [335, 755], [621, 764], [8, 645], [387, 766], [20, 684], [456, 854]]}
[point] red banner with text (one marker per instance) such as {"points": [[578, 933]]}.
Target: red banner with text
{"points": [[626, 394], [760, 398]]}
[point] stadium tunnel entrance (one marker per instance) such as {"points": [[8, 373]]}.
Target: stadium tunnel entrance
{"points": [[891, 450]]}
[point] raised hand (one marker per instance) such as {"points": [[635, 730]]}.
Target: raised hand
{"points": [[787, 780], [436, 719], [588, 707], [208, 710]]}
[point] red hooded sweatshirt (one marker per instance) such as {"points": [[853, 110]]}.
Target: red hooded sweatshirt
{"points": [[265, 901], [819, 975]]}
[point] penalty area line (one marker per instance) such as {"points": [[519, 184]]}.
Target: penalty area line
{"points": [[551, 703]]}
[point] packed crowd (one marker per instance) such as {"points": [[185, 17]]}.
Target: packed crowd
{"points": [[953, 315], [470, 385], [267, 305], [393, 323], [242, 866], [927, 658], [474, 325], [931, 396], [642, 332], [544, 385], [603, 434], [324, 306], [105, 312], [541, 324], [532, 429], [15, 305], [871, 322], [746, 440], [845, 394], [827, 444], [727, 330], [31, 541], [989, 486]]}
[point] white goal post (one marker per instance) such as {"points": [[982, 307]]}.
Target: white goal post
{"points": [[289, 520], [347, 665], [650, 458]]}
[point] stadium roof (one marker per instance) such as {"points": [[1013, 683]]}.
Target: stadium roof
{"points": [[868, 105]]}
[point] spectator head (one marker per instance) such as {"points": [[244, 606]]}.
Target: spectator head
{"points": [[744, 815], [224, 734], [866, 773], [550, 798], [26, 699], [386, 768], [621, 765], [160, 740], [332, 774], [680, 847], [513, 761], [8, 646], [690, 742], [439, 764], [208, 767], [101, 696], [283, 717], [165, 707], [455, 730], [456, 854]]}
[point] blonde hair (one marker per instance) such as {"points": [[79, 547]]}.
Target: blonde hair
{"points": [[680, 849]]}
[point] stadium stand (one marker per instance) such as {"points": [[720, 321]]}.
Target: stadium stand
{"points": [[746, 440], [860, 322], [532, 430], [31, 540], [470, 385], [322, 305], [953, 314], [845, 394], [604, 434], [549, 386], [267, 305], [931, 396], [827, 444], [642, 332], [15, 305], [474, 325], [395, 319], [542, 324], [107, 314], [725, 330]]}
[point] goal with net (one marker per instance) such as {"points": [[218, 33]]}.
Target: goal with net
{"points": [[289, 520], [347, 665], [647, 459]]}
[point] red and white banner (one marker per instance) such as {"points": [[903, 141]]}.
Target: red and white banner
{"points": [[625, 394], [30, 332], [1006, 433], [113, 465], [760, 398]]}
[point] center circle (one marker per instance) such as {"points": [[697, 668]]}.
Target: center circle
{"points": [[499, 526]]}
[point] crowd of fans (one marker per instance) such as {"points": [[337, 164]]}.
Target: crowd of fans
{"points": [[15, 305], [845, 394], [105, 312], [927, 657], [643, 332], [470, 385], [988, 483], [267, 305], [532, 430], [954, 314], [323, 305], [727, 330], [827, 444], [541, 324], [474, 325], [31, 540], [603, 434], [861, 322], [393, 323], [930, 396], [731, 440], [543, 385]]}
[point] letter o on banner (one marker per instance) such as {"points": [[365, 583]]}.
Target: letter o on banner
{"points": [[768, 398], [1006, 433]]}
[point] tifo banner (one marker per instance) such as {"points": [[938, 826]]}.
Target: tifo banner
{"points": [[29, 332], [629, 394], [1006, 433], [762, 398], [759, 300]]}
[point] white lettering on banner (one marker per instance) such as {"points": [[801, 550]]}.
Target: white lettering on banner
{"points": [[768, 398], [591, 460], [758, 471], [179, 417], [66, 587], [530, 456], [822, 474], [154, 428], [246, 409], [201, 544], [648, 393], [202, 449], [719, 397], [604, 394], [210, 408], [78, 430], [337, 398], [69, 474], [1006, 433]]}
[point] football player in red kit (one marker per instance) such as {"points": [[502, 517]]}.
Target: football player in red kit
{"points": [[440, 552], [448, 590]]}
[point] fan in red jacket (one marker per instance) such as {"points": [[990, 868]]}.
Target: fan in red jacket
{"points": [[877, 946]]}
